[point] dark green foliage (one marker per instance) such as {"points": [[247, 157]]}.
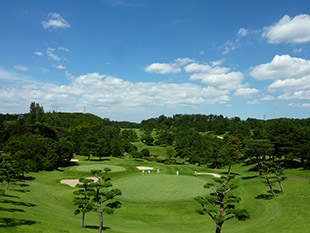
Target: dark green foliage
{"points": [[9, 170], [103, 195], [147, 139], [220, 205], [96, 195], [83, 197], [272, 173]]}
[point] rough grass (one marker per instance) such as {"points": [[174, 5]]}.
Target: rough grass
{"points": [[45, 205]]}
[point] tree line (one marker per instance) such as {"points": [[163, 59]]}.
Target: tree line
{"points": [[40, 140]]}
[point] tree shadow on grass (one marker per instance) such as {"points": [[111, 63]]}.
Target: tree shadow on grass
{"points": [[268, 196], [264, 196], [11, 209], [18, 203], [96, 227], [249, 177], [12, 222]]}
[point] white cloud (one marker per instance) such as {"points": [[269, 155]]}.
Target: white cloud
{"points": [[230, 46], [103, 94], [163, 68], [60, 67], [229, 81], [281, 66], [302, 83], [290, 74], [55, 21], [246, 92], [38, 53], [243, 32], [21, 68], [292, 30], [50, 53]]}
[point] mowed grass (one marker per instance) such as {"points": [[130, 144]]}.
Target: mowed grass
{"points": [[151, 203], [160, 188]]}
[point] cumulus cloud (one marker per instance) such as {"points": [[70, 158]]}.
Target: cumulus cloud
{"points": [[55, 21], [106, 95], [290, 75], [289, 30], [246, 92], [281, 66], [163, 68]]}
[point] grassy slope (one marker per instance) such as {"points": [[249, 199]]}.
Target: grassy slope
{"points": [[49, 204]]}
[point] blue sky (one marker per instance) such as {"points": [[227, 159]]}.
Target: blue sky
{"points": [[136, 59]]}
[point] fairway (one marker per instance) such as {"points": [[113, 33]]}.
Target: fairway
{"points": [[151, 203], [161, 188], [88, 168]]}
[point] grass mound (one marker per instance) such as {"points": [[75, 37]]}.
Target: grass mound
{"points": [[160, 188]]}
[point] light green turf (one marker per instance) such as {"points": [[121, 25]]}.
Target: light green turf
{"points": [[160, 188], [88, 168], [151, 203]]}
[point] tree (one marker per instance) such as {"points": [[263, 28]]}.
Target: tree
{"points": [[104, 194], [9, 171], [83, 198], [230, 151], [258, 149], [220, 204], [272, 173]]}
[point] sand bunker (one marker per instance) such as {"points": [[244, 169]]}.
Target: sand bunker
{"points": [[143, 168], [207, 173], [74, 182]]}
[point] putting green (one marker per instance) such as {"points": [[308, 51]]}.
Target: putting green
{"points": [[161, 188], [88, 168]]}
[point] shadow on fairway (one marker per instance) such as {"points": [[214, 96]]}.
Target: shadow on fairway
{"points": [[12, 222], [249, 177], [268, 196], [18, 203], [11, 209], [264, 196], [96, 227]]}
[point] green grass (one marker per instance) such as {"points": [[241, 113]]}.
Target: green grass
{"points": [[160, 188], [151, 203]]}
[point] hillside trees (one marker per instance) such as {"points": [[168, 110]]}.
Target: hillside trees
{"points": [[220, 204]]}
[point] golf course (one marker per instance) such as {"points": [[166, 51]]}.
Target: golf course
{"points": [[160, 199]]}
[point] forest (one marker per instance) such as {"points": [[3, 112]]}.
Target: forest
{"points": [[40, 140]]}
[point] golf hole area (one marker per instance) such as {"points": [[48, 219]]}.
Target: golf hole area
{"points": [[161, 188], [88, 168]]}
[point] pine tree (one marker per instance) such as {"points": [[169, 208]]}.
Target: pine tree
{"points": [[220, 205]]}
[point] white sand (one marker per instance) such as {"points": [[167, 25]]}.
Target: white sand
{"points": [[207, 173], [74, 160], [141, 168], [74, 182]]}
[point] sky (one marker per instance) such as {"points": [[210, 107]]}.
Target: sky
{"points": [[131, 60]]}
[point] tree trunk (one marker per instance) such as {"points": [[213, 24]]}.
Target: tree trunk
{"points": [[229, 169], [270, 187], [82, 219], [100, 217], [281, 186], [218, 227], [7, 185]]}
